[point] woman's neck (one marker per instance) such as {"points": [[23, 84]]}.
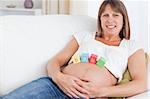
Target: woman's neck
{"points": [[111, 43], [111, 38]]}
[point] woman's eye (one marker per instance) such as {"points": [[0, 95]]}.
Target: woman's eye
{"points": [[105, 15], [115, 15]]}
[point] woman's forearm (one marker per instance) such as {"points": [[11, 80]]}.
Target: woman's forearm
{"points": [[53, 68], [125, 90]]}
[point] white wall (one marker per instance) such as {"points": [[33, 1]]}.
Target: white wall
{"points": [[93, 7], [138, 14], [78, 7]]}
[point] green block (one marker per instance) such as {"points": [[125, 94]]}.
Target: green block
{"points": [[101, 62]]}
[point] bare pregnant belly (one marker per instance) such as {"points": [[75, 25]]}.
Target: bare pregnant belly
{"points": [[91, 72]]}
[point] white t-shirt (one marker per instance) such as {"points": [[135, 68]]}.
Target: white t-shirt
{"points": [[116, 56]]}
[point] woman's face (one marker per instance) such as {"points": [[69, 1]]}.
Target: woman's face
{"points": [[111, 22]]}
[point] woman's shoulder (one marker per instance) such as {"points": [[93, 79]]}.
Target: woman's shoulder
{"points": [[130, 42], [132, 46]]}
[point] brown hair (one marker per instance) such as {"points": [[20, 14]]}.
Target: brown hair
{"points": [[117, 6]]}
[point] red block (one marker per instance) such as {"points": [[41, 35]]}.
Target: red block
{"points": [[93, 59]]}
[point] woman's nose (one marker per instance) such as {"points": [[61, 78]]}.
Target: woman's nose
{"points": [[110, 19]]}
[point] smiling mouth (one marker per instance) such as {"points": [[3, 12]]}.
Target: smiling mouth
{"points": [[111, 26]]}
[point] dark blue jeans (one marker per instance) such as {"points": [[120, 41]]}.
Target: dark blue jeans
{"points": [[43, 88]]}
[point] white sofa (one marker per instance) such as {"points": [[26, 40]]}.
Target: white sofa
{"points": [[28, 42]]}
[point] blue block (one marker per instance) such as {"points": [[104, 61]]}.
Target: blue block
{"points": [[85, 58]]}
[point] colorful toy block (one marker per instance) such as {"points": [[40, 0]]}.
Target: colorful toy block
{"points": [[101, 62], [76, 58], [85, 58], [93, 59]]}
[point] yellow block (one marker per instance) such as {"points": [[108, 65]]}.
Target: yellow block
{"points": [[76, 58]]}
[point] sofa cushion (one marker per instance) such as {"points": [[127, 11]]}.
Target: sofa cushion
{"points": [[28, 42]]}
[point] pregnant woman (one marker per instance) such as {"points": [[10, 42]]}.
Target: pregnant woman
{"points": [[112, 42], [71, 77]]}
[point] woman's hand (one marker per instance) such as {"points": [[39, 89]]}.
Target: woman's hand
{"points": [[68, 84], [92, 88]]}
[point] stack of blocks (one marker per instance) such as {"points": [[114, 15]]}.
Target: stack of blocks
{"points": [[84, 58]]}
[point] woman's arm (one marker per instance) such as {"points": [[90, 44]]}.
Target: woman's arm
{"points": [[138, 71], [65, 82]]}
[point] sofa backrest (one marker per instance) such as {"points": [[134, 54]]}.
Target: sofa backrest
{"points": [[28, 42]]}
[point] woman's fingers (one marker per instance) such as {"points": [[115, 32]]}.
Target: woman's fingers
{"points": [[77, 91], [86, 86], [65, 90], [79, 94], [79, 87], [70, 87], [69, 95], [81, 84], [73, 94], [70, 91]]}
